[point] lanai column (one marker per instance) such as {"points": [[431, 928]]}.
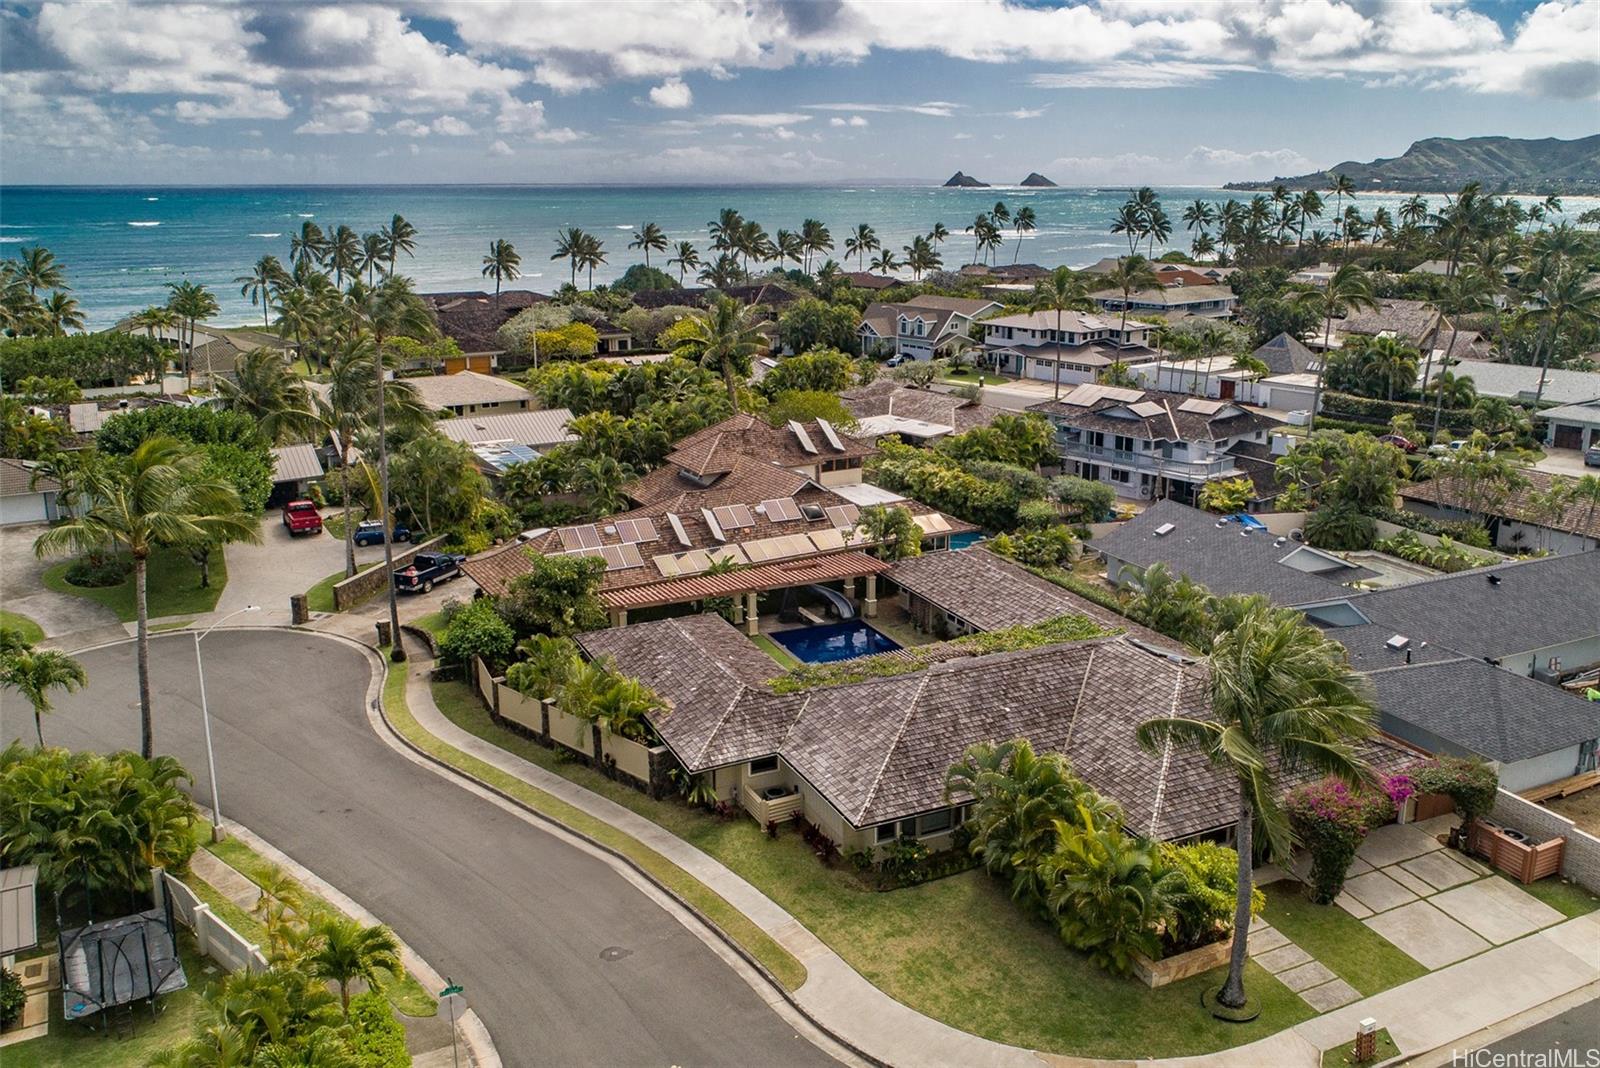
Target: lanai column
{"points": [[872, 596], [619, 617], [751, 616]]}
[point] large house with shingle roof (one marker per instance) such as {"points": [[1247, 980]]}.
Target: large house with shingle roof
{"points": [[1172, 301], [1519, 521], [922, 328], [1073, 346], [814, 449], [885, 408], [1149, 445], [25, 498], [470, 393], [472, 318]]}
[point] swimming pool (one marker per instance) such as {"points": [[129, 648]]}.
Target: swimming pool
{"points": [[965, 539], [834, 641]]}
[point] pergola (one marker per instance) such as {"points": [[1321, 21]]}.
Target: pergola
{"points": [[747, 583]]}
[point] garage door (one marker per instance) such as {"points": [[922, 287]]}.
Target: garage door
{"points": [[23, 508], [1569, 437]]}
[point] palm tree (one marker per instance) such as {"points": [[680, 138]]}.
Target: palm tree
{"points": [[591, 254], [264, 278], [344, 254], [1026, 222], [884, 262], [752, 242], [1132, 274], [1307, 206], [1392, 361], [649, 237], [1342, 187], [399, 236], [33, 673], [60, 313], [1464, 293], [1282, 696], [374, 253], [863, 241], [1062, 290], [569, 246], [725, 230], [723, 272], [1199, 215], [154, 319], [817, 238], [938, 234], [1413, 210], [1564, 293], [1130, 222], [920, 256], [977, 228], [724, 339], [264, 388], [158, 496], [193, 303], [345, 949], [1348, 290], [790, 246], [501, 264], [1157, 227], [686, 258], [309, 246], [37, 268]]}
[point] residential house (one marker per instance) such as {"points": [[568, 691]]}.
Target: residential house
{"points": [[216, 357], [1412, 321], [1518, 522], [1519, 384], [868, 280], [886, 408], [1572, 426], [294, 468], [1286, 355], [613, 339], [1204, 301], [1468, 663], [814, 449], [470, 393], [1150, 445], [1288, 385], [25, 498], [1083, 344], [537, 429], [1007, 273], [472, 318], [761, 294], [922, 328]]}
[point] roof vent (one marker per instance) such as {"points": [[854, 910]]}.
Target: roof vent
{"points": [[1281, 541], [1164, 529], [1244, 532], [1399, 641], [1494, 580], [1221, 523]]}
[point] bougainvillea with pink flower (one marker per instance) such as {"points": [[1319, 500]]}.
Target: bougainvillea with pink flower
{"points": [[1330, 818]]}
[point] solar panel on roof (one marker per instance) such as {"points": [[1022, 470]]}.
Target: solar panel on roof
{"points": [[1145, 409], [630, 556], [1200, 407], [827, 540], [678, 531], [781, 509], [758, 551], [831, 434], [797, 545], [731, 554], [693, 562], [667, 564], [843, 515], [805, 439], [712, 525], [734, 516], [584, 537], [636, 530]]}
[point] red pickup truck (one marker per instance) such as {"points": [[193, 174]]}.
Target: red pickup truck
{"points": [[302, 517]]}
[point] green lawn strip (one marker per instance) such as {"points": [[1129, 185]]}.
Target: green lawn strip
{"points": [[404, 992], [433, 623], [172, 586], [1355, 952], [179, 624], [233, 915], [956, 949], [334, 524], [30, 631], [1569, 899], [319, 598], [1343, 1056], [777, 960], [77, 1045], [777, 652]]}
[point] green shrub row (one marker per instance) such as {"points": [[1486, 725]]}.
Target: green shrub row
{"points": [[1373, 410]]}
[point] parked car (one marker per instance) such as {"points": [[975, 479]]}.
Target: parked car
{"points": [[896, 361], [1454, 446], [370, 532], [302, 517], [1404, 444], [1591, 456], [426, 570]]}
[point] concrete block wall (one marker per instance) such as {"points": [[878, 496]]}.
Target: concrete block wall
{"points": [[1580, 861], [352, 591]]}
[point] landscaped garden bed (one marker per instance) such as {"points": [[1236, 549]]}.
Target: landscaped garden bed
{"points": [[172, 584]]}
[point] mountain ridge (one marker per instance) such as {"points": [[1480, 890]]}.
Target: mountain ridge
{"points": [[1542, 166]]}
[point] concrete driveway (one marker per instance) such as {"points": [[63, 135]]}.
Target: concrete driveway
{"points": [[280, 566], [1567, 462], [22, 591], [566, 961]]}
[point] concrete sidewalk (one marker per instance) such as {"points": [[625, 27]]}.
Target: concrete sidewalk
{"points": [[1440, 1008]]}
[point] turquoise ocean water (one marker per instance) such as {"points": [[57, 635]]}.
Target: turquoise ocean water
{"points": [[121, 245]]}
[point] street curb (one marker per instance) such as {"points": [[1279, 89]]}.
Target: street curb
{"points": [[728, 940]]}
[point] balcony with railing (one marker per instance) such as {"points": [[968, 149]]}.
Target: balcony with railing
{"points": [[1152, 461]]}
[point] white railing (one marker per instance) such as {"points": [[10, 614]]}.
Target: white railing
{"points": [[213, 937], [776, 810]]}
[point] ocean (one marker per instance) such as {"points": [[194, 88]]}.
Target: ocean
{"points": [[121, 245]]}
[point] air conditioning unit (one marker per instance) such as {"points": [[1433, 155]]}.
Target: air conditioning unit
{"points": [[1298, 418]]}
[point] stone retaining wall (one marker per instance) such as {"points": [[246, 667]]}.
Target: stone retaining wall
{"points": [[352, 591]]}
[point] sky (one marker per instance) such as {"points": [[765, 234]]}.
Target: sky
{"points": [[804, 91]]}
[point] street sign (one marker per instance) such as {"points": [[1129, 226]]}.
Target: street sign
{"points": [[453, 990]]}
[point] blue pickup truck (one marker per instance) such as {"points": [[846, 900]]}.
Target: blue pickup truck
{"points": [[426, 570]]}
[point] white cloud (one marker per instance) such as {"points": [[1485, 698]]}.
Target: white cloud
{"points": [[672, 93], [560, 135], [1027, 113], [450, 126], [331, 121], [500, 148], [854, 120], [410, 128], [942, 109]]}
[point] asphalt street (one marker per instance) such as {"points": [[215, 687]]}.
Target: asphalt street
{"points": [[566, 962], [1572, 1038]]}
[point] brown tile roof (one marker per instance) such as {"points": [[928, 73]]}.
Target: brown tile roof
{"points": [[765, 294], [756, 579], [712, 449], [1171, 423], [868, 280], [991, 592], [16, 480], [746, 480], [1575, 517], [470, 319], [1409, 319], [1174, 296], [888, 397]]}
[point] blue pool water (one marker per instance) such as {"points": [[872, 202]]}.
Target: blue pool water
{"points": [[965, 539], [834, 641]]}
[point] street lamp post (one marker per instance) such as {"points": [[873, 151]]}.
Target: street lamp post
{"points": [[205, 718]]}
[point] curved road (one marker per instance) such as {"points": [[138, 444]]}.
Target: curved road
{"points": [[566, 961]]}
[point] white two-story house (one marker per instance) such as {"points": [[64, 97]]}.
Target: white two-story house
{"points": [[1207, 302], [1152, 446], [1030, 344], [922, 328]]}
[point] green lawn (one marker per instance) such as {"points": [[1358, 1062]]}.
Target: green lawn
{"points": [[784, 658], [1356, 953], [76, 1045], [172, 586], [319, 598], [30, 631], [1569, 899], [433, 623], [334, 524], [957, 949]]}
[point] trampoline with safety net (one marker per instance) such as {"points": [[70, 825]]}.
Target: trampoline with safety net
{"points": [[118, 962]]}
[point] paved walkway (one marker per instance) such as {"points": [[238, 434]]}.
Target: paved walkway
{"points": [[1444, 1006]]}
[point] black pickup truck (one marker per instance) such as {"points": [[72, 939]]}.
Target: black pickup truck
{"points": [[425, 570]]}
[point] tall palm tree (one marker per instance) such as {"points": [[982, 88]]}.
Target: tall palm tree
{"points": [[1348, 290], [502, 265], [193, 303], [345, 949], [817, 239], [1392, 361], [33, 673], [1564, 294], [977, 228], [938, 234], [1463, 293], [1307, 206], [1157, 227], [790, 246], [884, 262], [344, 254], [61, 313], [863, 241], [260, 284], [569, 246], [686, 257], [753, 243], [309, 246], [1199, 215], [1063, 289], [724, 339], [399, 236], [38, 269], [374, 254], [591, 254], [1026, 222], [1342, 186], [650, 238], [725, 230], [1282, 696], [722, 272], [920, 256], [1413, 210], [274, 397], [160, 495], [1131, 275]]}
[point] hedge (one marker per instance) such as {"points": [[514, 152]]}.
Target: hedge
{"points": [[1368, 409], [111, 358]]}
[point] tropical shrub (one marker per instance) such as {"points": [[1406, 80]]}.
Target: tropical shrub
{"points": [[1203, 911], [12, 997], [803, 405], [1037, 514], [567, 342], [894, 532], [1330, 818], [111, 358], [90, 822], [545, 666], [903, 860], [617, 704], [236, 451], [1050, 548], [477, 630], [1341, 528], [1085, 500], [1470, 783], [1228, 495], [93, 573], [817, 371], [1447, 556], [378, 1039], [558, 596]]}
